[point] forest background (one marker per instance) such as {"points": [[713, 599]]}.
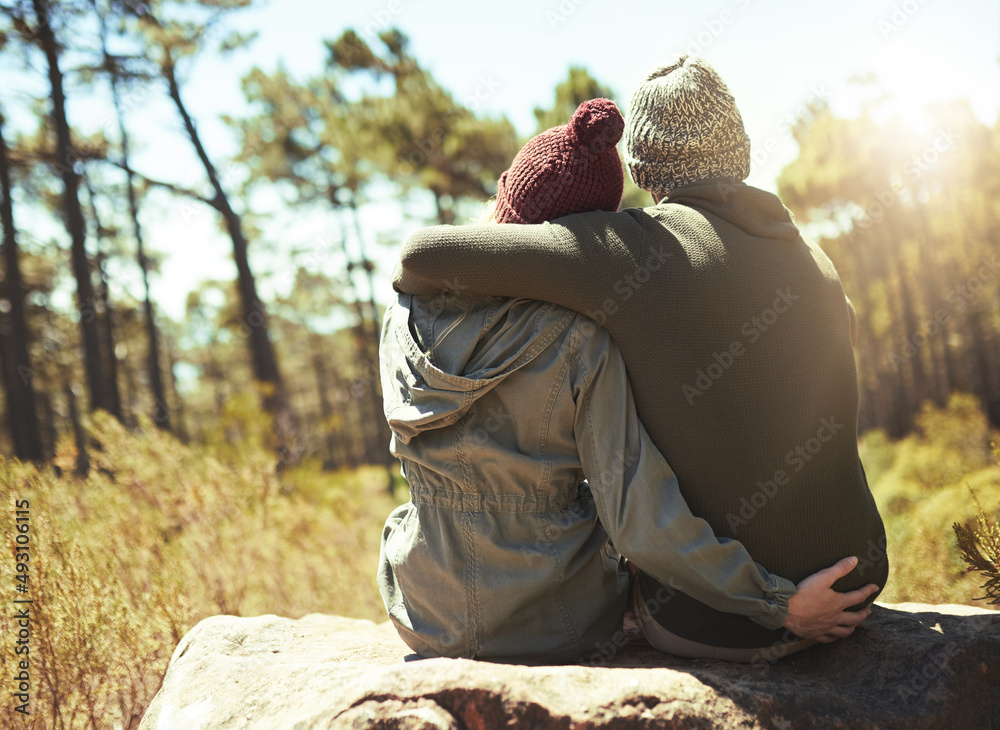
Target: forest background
{"points": [[201, 202]]}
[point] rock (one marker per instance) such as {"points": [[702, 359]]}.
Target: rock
{"points": [[909, 666]]}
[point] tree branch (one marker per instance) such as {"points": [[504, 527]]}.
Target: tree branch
{"points": [[172, 187]]}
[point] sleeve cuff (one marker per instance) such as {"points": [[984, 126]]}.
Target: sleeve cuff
{"points": [[779, 590]]}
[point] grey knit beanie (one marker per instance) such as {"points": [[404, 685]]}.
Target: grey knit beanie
{"points": [[683, 126]]}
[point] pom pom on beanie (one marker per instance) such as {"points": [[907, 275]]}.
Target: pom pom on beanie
{"points": [[597, 124], [573, 168]]}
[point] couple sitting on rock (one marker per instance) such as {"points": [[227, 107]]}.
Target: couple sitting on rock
{"points": [[542, 489]]}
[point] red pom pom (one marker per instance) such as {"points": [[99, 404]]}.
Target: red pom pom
{"points": [[596, 124]]}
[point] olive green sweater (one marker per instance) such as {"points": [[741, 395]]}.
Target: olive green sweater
{"points": [[737, 337]]}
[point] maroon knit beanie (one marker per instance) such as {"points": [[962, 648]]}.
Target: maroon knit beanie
{"points": [[574, 168]]}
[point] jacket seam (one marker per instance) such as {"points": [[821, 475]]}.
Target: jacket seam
{"points": [[557, 385], [472, 593], [564, 613]]}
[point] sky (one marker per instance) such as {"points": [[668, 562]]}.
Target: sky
{"points": [[777, 56]]}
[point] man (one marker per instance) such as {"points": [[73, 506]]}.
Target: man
{"points": [[737, 336]]}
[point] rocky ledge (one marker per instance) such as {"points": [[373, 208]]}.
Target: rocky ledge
{"points": [[909, 666]]}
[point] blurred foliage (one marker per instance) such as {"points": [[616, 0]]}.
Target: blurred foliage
{"points": [[911, 220], [921, 484], [424, 138], [371, 123], [397, 123], [161, 535], [578, 87]]}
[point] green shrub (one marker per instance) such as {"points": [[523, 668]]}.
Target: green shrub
{"points": [[921, 484], [980, 545]]}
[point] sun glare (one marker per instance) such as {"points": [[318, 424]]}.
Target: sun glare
{"points": [[914, 70]]}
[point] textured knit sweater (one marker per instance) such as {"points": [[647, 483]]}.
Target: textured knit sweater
{"points": [[737, 338]]}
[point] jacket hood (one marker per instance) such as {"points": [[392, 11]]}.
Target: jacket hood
{"points": [[439, 355], [755, 211]]}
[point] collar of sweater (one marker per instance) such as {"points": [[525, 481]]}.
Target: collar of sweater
{"points": [[751, 209]]}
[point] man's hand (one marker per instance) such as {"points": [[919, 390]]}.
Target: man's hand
{"points": [[817, 612]]}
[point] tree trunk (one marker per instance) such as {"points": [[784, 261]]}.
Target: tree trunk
{"points": [[931, 262], [370, 408], [906, 400], [936, 347], [218, 379], [892, 409], [382, 432], [978, 315], [870, 397], [79, 434], [993, 407], [265, 364], [104, 292], [910, 327], [75, 225], [325, 405], [161, 412], [110, 342], [49, 422], [182, 432], [349, 425], [131, 395], [981, 358], [369, 269], [445, 214], [20, 391]]}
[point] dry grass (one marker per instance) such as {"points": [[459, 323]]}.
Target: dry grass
{"points": [[161, 535]]}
